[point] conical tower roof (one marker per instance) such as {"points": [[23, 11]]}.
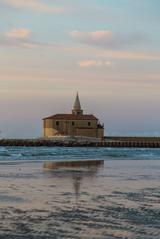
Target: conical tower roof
{"points": [[77, 105]]}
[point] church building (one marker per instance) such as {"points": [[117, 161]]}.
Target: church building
{"points": [[74, 124]]}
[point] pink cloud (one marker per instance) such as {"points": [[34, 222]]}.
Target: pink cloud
{"points": [[21, 33], [93, 63], [95, 35]]}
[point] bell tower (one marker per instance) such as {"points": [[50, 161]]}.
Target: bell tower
{"points": [[77, 107]]}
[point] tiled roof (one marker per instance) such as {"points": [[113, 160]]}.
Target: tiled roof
{"points": [[71, 117]]}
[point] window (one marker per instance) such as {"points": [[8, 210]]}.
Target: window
{"points": [[57, 123], [73, 123], [89, 123]]}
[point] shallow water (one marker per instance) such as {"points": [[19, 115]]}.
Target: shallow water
{"points": [[119, 200]]}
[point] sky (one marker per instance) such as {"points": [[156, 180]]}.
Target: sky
{"points": [[107, 50]]}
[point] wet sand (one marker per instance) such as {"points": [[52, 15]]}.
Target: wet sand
{"points": [[120, 199]]}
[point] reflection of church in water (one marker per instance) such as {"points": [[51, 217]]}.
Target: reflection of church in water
{"points": [[76, 171]]}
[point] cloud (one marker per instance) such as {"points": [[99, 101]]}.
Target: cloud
{"points": [[34, 5], [108, 39], [130, 55], [93, 63], [94, 36], [21, 33], [19, 43], [85, 51], [18, 38], [21, 39]]}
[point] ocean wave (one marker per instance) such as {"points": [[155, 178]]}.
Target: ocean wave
{"points": [[63, 153]]}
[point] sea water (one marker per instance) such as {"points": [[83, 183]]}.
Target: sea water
{"points": [[120, 199], [67, 153]]}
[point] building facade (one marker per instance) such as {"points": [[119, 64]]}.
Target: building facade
{"points": [[74, 124]]}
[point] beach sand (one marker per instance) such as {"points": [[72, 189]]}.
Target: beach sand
{"points": [[120, 199]]}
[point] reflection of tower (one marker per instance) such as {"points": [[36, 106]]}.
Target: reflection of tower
{"points": [[77, 177], [77, 107], [77, 183]]}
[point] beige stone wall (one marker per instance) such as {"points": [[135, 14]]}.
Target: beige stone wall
{"points": [[87, 132], [48, 132], [65, 127], [48, 123]]}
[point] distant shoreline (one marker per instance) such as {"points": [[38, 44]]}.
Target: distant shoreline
{"points": [[116, 141]]}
